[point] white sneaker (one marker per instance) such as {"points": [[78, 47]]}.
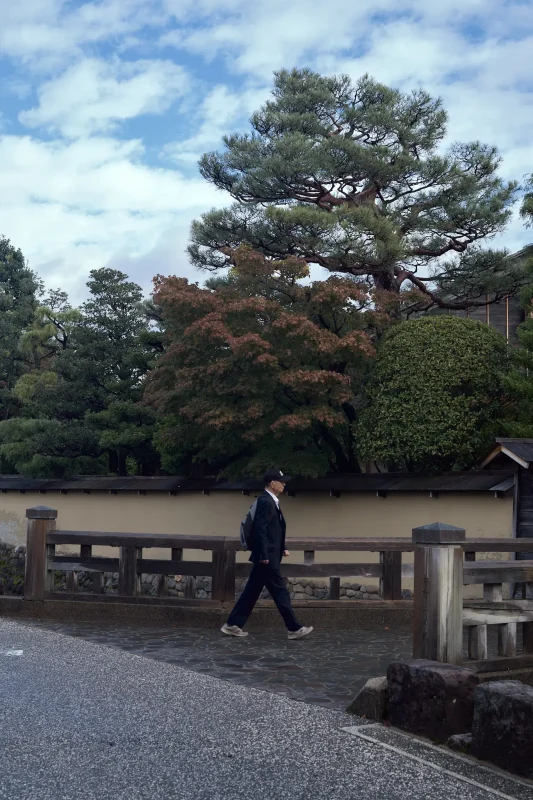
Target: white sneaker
{"points": [[233, 630], [300, 633]]}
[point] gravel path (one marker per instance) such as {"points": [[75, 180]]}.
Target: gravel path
{"points": [[80, 720]]}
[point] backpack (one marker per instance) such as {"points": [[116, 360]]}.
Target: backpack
{"points": [[247, 527]]}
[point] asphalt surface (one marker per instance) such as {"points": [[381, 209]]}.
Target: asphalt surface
{"points": [[81, 720]]}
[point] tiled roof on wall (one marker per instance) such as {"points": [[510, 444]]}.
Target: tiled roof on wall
{"points": [[473, 481]]}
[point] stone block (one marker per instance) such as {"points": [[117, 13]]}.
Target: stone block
{"points": [[461, 743], [502, 730], [431, 699], [371, 702]]}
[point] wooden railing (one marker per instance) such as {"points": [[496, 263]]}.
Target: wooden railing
{"points": [[493, 610], [223, 569], [444, 563]]}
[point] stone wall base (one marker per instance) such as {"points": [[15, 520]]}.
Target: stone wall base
{"points": [[359, 615]]}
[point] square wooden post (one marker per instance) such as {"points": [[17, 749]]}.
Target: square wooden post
{"points": [[390, 585], [334, 588], [41, 520], [128, 579], [438, 593], [223, 575]]}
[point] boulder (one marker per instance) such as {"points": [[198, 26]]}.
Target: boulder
{"points": [[502, 729], [371, 702], [461, 743], [431, 699]]}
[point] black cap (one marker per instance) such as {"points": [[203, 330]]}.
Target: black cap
{"points": [[275, 475]]}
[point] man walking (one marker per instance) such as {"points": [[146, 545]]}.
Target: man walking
{"points": [[268, 548]]}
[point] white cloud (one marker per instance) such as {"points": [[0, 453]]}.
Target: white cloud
{"points": [[94, 95], [86, 199], [43, 33], [260, 37], [72, 206], [223, 111], [269, 35]]}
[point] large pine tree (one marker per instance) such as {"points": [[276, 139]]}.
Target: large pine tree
{"points": [[354, 177], [526, 211], [518, 417]]}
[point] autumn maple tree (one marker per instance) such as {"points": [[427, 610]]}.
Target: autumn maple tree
{"points": [[261, 367], [355, 178]]}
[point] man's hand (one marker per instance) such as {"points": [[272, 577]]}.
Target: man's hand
{"points": [[286, 554], [265, 563]]}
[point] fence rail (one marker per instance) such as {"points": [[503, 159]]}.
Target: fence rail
{"points": [[222, 568], [444, 562]]}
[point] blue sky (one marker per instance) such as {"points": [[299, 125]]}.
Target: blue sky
{"points": [[105, 106]]}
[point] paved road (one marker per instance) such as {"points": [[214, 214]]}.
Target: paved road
{"points": [[80, 720], [327, 669]]}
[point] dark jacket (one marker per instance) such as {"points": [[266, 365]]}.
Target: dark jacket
{"points": [[268, 538]]}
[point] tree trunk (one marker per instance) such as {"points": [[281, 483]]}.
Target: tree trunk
{"points": [[113, 462], [122, 465], [345, 463]]}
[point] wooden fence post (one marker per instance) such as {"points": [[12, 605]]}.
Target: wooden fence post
{"points": [[41, 520], [438, 593], [391, 582], [127, 570], [223, 577]]}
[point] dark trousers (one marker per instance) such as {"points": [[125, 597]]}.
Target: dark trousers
{"points": [[261, 576]]}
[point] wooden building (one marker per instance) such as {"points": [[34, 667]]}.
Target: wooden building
{"points": [[505, 315], [516, 454], [519, 454]]}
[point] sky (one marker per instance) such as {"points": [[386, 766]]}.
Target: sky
{"points": [[106, 106]]}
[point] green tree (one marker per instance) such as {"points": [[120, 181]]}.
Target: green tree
{"points": [[518, 416], [114, 354], [50, 448], [125, 431], [50, 332], [261, 367], [353, 178], [89, 367], [434, 397], [526, 211], [19, 288]]}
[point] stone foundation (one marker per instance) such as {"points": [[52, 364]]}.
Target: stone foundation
{"points": [[431, 699], [501, 729]]}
